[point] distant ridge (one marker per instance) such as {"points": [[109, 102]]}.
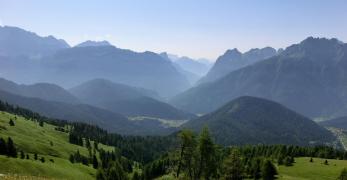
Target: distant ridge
{"points": [[251, 120], [93, 43]]}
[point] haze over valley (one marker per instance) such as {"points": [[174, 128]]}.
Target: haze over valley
{"points": [[173, 91]]}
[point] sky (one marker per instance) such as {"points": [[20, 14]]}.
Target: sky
{"points": [[194, 28]]}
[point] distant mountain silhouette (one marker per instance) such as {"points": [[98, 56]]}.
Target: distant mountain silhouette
{"points": [[308, 77], [18, 42], [191, 65], [50, 92], [28, 58], [148, 70], [250, 120], [233, 59], [93, 43], [340, 122], [189, 75], [126, 100]]}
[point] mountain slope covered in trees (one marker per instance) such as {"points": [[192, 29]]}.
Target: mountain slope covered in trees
{"points": [[250, 120]]}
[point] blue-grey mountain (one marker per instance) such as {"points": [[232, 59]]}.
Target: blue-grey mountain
{"points": [[126, 100], [18, 42], [309, 77], [233, 59]]}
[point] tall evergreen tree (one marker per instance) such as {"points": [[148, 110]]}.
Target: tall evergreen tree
{"points": [[100, 175], [95, 162], [11, 149], [116, 172], [11, 122], [22, 155], [343, 174], [206, 150], [268, 171], [3, 146], [187, 145], [233, 167]]}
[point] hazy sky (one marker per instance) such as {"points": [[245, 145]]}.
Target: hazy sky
{"points": [[196, 28]]}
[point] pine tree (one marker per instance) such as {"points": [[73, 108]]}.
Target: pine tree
{"points": [[96, 145], [95, 162], [3, 146], [233, 168], [100, 175], [280, 160], [206, 149], [22, 155], [288, 161], [11, 122], [255, 168], [88, 144], [268, 171], [72, 159], [11, 149], [136, 176], [116, 172], [343, 175], [186, 151]]}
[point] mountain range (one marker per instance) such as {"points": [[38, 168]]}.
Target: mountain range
{"points": [[18, 42], [233, 59], [29, 58], [308, 77]]}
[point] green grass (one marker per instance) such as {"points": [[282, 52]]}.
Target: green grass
{"points": [[32, 138], [60, 169], [305, 170]]}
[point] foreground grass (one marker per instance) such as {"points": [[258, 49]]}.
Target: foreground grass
{"points": [[60, 169], [47, 142], [304, 169]]}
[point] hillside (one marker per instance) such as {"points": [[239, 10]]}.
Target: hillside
{"points": [[47, 142], [250, 120], [307, 77], [126, 100], [46, 91], [84, 113]]}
